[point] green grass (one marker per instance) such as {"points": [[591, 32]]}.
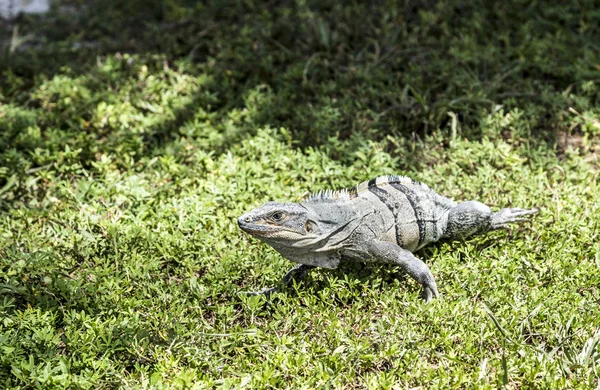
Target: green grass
{"points": [[133, 134]]}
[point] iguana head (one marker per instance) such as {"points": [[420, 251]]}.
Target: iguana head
{"points": [[300, 232], [307, 233], [276, 222]]}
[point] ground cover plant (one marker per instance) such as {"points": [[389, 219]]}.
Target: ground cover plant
{"points": [[133, 134]]}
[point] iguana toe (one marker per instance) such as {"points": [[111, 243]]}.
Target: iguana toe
{"points": [[429, 293]]}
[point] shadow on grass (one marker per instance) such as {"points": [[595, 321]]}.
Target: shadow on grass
{"points": [[336, 71]]}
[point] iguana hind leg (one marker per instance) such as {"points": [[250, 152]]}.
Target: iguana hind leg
{"points": [[296, 273], [471, 218], [391, 253]]}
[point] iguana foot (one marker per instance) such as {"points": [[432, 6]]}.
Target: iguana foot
{"points": [[506, 216], [296, 273], [430, 292], [388, 252]]}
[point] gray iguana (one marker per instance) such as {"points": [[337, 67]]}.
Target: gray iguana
{"points": [[384, 220]]}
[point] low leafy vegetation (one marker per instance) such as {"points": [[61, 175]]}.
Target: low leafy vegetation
{"points": [[130, 144]]}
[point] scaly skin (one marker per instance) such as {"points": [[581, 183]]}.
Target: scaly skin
{"points": [[383, 220]]}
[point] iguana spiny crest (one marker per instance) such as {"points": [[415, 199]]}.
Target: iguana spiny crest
{"points": [[382, 220]]}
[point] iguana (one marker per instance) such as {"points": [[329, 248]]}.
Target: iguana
{"points": [[384, 220]]}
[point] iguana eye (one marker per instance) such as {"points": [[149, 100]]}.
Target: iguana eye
{"points": [[308, 227], [277, 216]]}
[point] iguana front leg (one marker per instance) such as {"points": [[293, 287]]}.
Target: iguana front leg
{"points": [[296, 273], [389, 252]]}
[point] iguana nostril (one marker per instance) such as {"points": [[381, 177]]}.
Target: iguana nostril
{"points": [[247, 219]]}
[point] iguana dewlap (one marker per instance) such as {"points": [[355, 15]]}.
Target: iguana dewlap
{"points": [[381, 220]]}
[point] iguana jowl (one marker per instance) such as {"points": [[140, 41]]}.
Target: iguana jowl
{"points": [[383, 220]]}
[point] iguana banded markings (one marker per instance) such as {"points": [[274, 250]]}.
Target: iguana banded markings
{"points": [[384, 220]]}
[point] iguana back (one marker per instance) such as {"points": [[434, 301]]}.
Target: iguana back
{"points": [[413, 215]]}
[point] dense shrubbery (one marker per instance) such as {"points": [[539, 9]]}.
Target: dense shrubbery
{"points": [[132, 134]]}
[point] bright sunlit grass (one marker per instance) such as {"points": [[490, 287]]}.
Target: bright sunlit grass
{"points": [[125, 163]]}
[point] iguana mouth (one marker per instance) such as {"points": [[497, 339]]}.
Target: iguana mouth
{"points": [[257, 230]]}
